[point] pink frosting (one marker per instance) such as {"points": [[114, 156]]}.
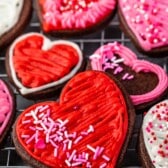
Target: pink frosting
{"points": [[98, 59], [147, 19], [6, 105], [79, 14]]}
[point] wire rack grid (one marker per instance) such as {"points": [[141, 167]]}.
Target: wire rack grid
{"points": [[8, 156]]}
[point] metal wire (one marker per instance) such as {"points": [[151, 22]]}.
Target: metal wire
{"points": [[88, 44]]}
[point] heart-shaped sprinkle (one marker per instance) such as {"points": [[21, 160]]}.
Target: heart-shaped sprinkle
{"points": [[155, 134], [147, 21], [144, 81], [87, 128], [37, 64], [74, 15]]}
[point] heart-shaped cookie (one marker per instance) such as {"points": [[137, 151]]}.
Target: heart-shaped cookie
{"points": [[63, 17], [144, 81], [154, 137], [146, 23], [89, 127], [7, 106], [38, 66], [14, 16]]}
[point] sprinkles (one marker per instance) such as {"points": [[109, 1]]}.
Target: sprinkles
{"points": [[56, 134]]}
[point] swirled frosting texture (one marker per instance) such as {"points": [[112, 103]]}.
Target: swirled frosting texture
{"points": [[36, 63], [87, 128], [74, 15], [147, 19], [6, 106], [155, 134], [9, 14], [99, 62]]}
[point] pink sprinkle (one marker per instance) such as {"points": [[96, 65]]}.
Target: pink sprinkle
{"points": [[96, 154], [51, 120], [39, 128], [130, 77], [47, 138], [68, 163], [55, 152], [59, 133], [32, 128], [88, 165], [101, 149], [106, 158], [36, 137], [40, 144], [78, 139], [64, 147], [68, 154], [84, 133], [103, 165], [30, 139], [118, 70], [25, 136], [26, 121], [44, 127], [76, 164], [53, 136], [114, 65], [81, 160], [72, 155], [125, 76]]}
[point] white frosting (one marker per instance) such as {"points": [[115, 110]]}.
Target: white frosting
{"points": [[155, 133], [9, 14], [46, 45]]}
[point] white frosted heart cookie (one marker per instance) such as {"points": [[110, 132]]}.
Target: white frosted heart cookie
{"points": [[154, 137], [14, 15]]}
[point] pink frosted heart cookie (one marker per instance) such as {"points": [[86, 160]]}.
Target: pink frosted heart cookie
{"points": [[145, 82], [153, 146], [146, 23], [38, 66], [6, 108], [14, 16], [63, 17]]}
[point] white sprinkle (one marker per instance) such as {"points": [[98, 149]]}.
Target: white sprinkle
{"points": [[90, 148], [53, 143], [43, 108], [69, 144], [95, 56], [76, 164], [41, 115], [55, 152], [30, 139], [119, 60], [91, 129], [68, 163], [34, 116], [25, 136]]}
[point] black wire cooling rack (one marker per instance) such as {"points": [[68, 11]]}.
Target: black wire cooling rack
{"points": [[8, 156]]}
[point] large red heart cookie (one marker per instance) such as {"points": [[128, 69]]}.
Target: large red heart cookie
{"points": [[89, 127], [74, 17], [38, 66], [146, 23], [153, 146], [14, 16], [144, 81]]}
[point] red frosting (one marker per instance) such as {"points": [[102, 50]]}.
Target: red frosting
{"points": [[93, 115], [36, 67]]}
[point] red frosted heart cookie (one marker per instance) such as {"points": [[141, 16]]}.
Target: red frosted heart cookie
{"points": [[146, 23], [7, 108], [89, 127], [14, 16], [63, 17], [153, 146], [38, 66], [145, 82]]}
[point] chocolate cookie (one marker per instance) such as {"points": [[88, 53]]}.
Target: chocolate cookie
{"points": [[90, 126], [69, 18], [38, 67], [146, 82]]}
